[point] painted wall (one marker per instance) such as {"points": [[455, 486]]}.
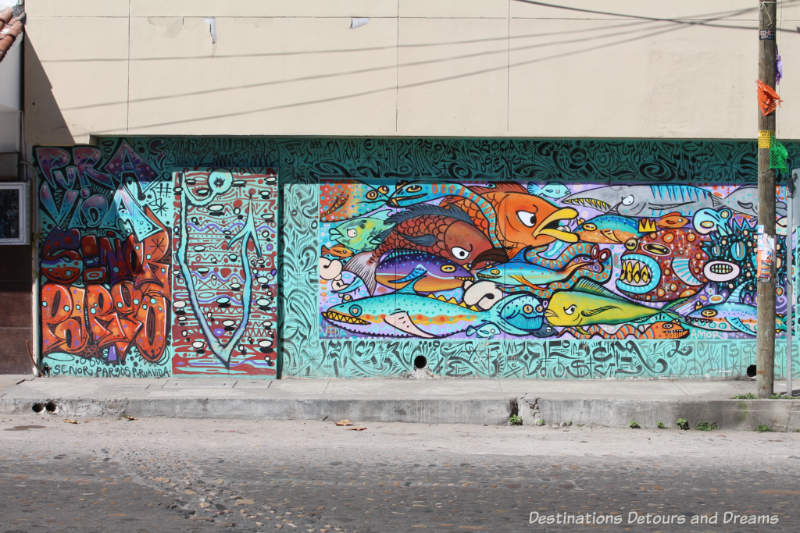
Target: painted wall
{"points": [[539, 260], [152, 271], [485, 257], [483, 68]]}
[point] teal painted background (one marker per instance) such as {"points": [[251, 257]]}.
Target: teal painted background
{"points": [[302, 163]]}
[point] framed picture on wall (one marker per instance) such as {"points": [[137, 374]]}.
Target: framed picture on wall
{"points": [[13, 213]]}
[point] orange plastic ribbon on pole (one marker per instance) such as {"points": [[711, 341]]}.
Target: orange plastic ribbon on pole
{"points": [[768, 99]]}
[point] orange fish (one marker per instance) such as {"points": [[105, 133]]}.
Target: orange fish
{"points": [[672, 220], [523, 219], [337, 250]]}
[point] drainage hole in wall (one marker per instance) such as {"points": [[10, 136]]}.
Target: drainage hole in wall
{"points": [[420, 362], [751, 371], [38, 407], [50, 406]]}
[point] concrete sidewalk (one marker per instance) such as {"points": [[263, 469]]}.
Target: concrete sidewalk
{"points": [[612, 403]]}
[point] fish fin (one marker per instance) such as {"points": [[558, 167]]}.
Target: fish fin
{"points": [[417, 273], [610, 235], [504, 186], [670, 308], [591, 287], [362, 266], [382, 236], [680, 265], [401, 320], [522, 281], [736, 295], [597, 310], [427, 240], [737, 323], [419, 210]]}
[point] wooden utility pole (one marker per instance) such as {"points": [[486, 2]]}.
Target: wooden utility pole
{"points": [[765, 357]]}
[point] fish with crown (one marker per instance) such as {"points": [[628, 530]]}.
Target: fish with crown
{"points": [[425, 272], [405, 314], [589, 303], [445, 232], [343, 200], [523, 219]]}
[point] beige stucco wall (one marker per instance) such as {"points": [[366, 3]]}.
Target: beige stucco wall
{"points": [[418, 68]]}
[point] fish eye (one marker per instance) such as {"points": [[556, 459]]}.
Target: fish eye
{"points": [[539, 309], [371, 195], [668, 325], [413, 188], [627, 200], [459, 253], [708, 313], [448, 268], [527, 309], [570, 310], [724, 213], [352, 233], [355, 310], [631, 244], [383, 189], [589, 227], [527, 218], [655, 249], [494, 272]]}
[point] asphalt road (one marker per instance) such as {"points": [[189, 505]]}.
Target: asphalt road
{"points": [[163, 475]]}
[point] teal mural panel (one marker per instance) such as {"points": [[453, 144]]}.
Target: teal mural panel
{"points": [[307, 346], [225, 281]]}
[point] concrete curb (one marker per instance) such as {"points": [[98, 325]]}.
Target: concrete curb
{"points": [[423, 411], [491, 402], [778, 415]]}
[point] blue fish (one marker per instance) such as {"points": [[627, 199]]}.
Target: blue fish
{"points": [[551, 190]]}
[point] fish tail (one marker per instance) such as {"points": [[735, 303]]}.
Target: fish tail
{"points": [[363, 266], [670, 308]]}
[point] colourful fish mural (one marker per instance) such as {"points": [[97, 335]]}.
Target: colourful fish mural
{"points": [[661, 262]]}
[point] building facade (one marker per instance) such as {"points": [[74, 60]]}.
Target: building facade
{"points": [[507, 189]]}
